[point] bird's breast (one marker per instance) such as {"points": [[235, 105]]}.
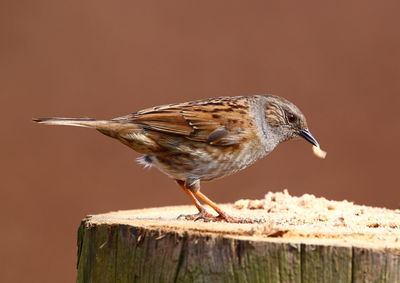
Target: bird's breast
{"points": [[207, 162]]}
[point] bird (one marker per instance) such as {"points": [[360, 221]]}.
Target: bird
{"points": [[203, 140]]}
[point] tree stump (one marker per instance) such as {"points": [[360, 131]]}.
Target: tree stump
{"points": [[301, 239]]}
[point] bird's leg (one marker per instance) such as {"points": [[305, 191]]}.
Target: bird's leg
{"points": [[192, 189], [222, 216], [202, 211]]}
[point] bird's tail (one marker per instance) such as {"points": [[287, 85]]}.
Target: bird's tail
{"points": [[107, 127], [127, 132], [78, 122]]}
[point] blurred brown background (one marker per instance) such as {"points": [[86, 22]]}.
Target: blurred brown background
{"points": [[339, 62]]}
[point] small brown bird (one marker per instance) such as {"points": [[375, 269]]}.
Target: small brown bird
{"points": [[203, 140]]}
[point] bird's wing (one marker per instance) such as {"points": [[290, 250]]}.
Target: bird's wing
{"points": [[219, 121]]}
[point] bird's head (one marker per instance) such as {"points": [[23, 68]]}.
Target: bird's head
{"points": [[287, 120]]}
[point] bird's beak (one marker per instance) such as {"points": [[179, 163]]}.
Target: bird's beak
{"points": [[309, 137]]}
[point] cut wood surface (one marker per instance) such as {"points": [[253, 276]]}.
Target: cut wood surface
{"points": [[297, 239]]}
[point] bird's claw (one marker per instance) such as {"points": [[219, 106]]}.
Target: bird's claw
{"points": [[208, 217], [195, 217], [225, 218]]}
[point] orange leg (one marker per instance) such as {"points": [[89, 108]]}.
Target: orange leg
{"points": [[221, 214], [203, 214], [202, 211]]}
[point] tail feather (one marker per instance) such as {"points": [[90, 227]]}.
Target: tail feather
{"points": [[101, 125], [127, 132], [44, 120], [78, 122]]}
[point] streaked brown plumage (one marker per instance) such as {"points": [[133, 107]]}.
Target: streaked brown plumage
{"points": [[205, 139]]}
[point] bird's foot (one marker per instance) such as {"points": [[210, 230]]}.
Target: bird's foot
{"points": [[223, 217], [200, 215]]}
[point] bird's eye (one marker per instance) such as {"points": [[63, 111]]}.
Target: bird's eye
{"points": [[291, 118]]}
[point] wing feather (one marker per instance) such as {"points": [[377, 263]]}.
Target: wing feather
{"points": [[212, 121]]}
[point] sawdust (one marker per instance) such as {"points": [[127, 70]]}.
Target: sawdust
{"points": [[282, 217], [316, 217]]}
